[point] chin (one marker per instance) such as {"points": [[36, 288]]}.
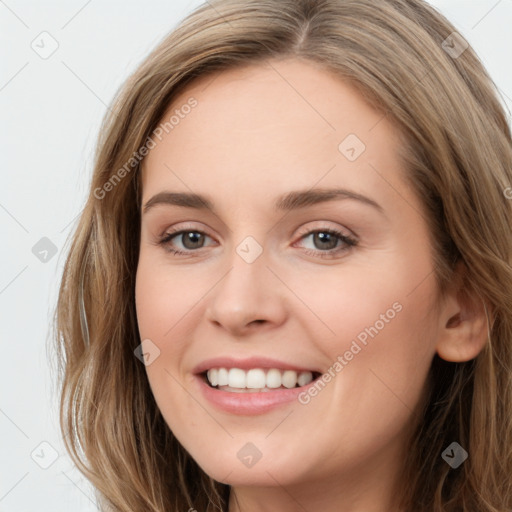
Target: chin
{"points": [[228, 469]]}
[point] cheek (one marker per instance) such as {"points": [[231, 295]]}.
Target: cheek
{"points": [[165, 303], [164, 300], [340, 304], [375, 325], [162, 307], [379, 357]]}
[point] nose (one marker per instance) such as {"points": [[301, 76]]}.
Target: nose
{"points": [[248, 295]]}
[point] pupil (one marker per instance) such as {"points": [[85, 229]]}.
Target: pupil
{"points": [[325, 237], [190, 238]]}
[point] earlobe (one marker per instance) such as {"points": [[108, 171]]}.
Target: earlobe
{"points": [[464, 322]]}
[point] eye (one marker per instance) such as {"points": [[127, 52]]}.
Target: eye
{"points": [[327, 239], [330, 242], [190, 240]]}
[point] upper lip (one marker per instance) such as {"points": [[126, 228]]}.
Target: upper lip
{"points": [[247, 364]]}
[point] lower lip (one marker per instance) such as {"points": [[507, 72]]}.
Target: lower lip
{"points": [[249, 403]]}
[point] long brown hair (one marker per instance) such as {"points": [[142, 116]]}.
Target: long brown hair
{"points": [[459, 161]]}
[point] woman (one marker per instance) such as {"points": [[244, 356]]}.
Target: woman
{"points": [[340, 339]]}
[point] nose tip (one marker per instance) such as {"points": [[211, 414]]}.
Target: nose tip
{"points": [[239, 323], [246, 299]]}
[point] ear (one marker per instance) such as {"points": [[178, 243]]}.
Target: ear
{"points": [[464, 325]]}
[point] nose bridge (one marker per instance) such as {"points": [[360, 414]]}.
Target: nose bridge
{"points": [[246, 278], [245, 293]]}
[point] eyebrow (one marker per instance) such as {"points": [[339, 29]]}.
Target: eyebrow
{"points": [[290, 201]]}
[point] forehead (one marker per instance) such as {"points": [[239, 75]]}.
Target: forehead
{"points": [[270, 126]]}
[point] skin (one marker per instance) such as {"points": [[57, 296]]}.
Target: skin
{"points": [[257, 133]]}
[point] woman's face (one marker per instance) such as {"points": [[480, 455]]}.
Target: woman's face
{"points": [[265, 285]]}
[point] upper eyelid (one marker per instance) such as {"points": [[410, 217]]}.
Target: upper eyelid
{"points": [[302, 231], [325, 226]]}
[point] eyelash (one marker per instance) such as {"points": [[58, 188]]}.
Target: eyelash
{"points": [[348, 240]]}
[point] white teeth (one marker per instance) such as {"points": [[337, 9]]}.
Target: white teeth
{"points": [[236, 378], [256, 378], [273, 378], [289, 379], [222, 377], [213, 375], [304, 378]]}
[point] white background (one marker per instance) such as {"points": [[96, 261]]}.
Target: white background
{"points": [[51, 110]]}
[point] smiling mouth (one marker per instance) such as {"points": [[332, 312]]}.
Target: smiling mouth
{"points": [[257, 380]]}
